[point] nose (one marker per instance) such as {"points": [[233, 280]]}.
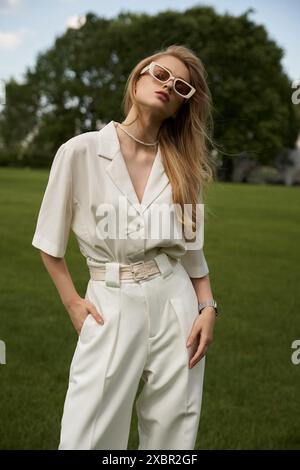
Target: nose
{"points": [[169, 84]]}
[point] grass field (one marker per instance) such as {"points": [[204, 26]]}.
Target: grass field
{"points": [[251, 391]]}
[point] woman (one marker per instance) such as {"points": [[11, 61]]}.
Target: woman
{"points": [[141, 303]]}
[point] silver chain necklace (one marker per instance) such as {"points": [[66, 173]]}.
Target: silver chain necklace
{"points": [[132, 136]]}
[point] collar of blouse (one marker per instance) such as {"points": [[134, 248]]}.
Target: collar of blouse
{"points": [[109, 148]]}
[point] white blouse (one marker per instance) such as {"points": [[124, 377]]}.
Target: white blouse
{"points": [[90, 191]]}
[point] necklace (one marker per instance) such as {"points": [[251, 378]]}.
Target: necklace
{"points": [[132, 136]]}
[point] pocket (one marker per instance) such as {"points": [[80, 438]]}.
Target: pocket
{"points": [[186, 310], [88, 329]]}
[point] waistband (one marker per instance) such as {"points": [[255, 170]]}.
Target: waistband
{"points": [[112, 272]]}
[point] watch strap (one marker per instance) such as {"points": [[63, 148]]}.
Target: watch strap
{"points": [[208, 303]]}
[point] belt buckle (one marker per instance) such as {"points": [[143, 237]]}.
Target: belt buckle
{"points": [[139, 273]]}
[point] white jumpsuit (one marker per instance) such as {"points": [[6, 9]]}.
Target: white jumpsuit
{"points": [[146, 322]]}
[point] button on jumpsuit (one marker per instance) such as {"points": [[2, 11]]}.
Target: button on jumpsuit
{"points": [[146, 321]]}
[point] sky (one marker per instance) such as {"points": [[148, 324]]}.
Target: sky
{"points": [[28, 27]]}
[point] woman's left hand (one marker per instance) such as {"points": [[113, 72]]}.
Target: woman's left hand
{"points": [[201, 335]]}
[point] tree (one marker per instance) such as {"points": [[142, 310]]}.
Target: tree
{"points": [[81, 79]]}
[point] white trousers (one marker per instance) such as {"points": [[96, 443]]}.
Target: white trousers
{"points": [[146, 326]]}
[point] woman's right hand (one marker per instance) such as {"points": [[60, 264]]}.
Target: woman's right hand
{"points": [[78, 309]]}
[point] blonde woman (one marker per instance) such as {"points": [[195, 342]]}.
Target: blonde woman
{"points": [[140, 315]]}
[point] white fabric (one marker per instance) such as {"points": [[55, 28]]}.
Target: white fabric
{"points": [[144, 335], [89, 170], [146, 322]]}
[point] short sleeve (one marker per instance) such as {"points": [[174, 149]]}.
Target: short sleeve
{"points": [[55, 214], [195, 263]]}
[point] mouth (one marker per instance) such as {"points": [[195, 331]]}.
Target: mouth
{"points": [[164, 96]]}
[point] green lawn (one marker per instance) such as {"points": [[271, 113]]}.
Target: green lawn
{"points": [[251, 390]]}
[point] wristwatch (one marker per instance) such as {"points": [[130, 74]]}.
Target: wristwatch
{"points": [[208, 303]]}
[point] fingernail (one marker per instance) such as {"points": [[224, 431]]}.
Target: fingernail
{"points": [[188, 343]]}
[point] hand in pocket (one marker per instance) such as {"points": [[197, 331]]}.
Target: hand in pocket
{"points": [[79, 309]]}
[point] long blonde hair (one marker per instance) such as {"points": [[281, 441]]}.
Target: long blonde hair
{"points": [[183, 139]]}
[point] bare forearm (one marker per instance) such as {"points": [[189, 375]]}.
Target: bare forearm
{"points": [[60, 275], [202, 287]]}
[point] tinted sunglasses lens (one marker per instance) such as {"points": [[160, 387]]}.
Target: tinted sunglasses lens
{"points": [[163, 75], [160, 73], [182, 87]]}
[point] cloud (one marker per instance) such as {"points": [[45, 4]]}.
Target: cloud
{"points": [[11, 40], [75, 22], [9, 4]]}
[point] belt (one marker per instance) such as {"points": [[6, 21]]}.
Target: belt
{"points": [[137, 271]]}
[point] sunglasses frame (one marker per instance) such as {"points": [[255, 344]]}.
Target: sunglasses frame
{"points": [[150, 67]]}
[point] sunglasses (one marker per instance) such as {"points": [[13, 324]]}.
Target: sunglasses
{"points": [[163, 75]]}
